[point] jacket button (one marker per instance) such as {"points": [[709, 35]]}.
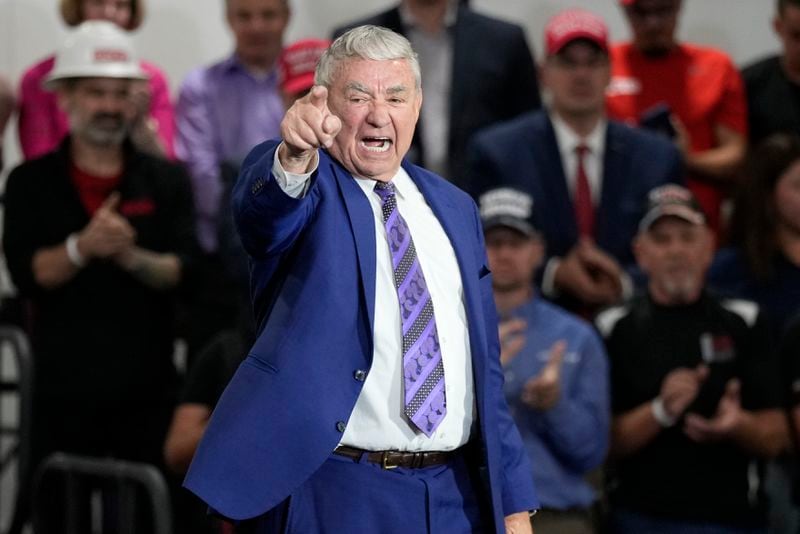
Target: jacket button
{"points": [[360, 375], [340, 426]]}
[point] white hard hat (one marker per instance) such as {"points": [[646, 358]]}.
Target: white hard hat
{"points": [[96, 49]]}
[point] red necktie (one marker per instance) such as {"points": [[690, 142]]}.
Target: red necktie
{"points": [[584, 209]]}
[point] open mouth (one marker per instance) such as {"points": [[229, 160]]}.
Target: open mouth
{"points": [[376, 144]]}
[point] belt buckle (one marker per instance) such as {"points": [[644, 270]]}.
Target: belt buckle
{"points": [[385, 461]]}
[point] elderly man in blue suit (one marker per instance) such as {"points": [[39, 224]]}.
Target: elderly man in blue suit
{"points": [[372, 398], [590, 176]]}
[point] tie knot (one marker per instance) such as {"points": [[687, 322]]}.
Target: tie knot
{"points": [[581, 150], [385, 190]]}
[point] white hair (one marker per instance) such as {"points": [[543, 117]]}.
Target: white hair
{"points": [[366, 42]]}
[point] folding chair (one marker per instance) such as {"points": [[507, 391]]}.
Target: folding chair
{"points": [[83, 495], [16, 385]]}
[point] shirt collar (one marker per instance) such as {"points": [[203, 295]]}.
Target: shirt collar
{"points": [[568, 140], [403, 185], [408, 20], [234, 64]]}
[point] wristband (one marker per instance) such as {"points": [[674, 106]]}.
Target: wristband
{"points": [[74, 255], [660, 413]]}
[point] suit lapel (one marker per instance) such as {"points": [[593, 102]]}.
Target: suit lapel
{"points": [[554, 182], [362, 224], [614, 171]]}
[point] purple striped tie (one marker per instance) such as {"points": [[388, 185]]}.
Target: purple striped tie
{"points": [[423, 372]]}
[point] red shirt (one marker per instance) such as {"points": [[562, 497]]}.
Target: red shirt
{"points": [[701, 86], [93, 190]]}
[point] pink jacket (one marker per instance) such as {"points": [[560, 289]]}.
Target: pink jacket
{"points": [[42, 124]]}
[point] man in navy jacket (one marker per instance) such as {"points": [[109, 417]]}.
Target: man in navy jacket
{"points": [[319, 429], [589, 176]]}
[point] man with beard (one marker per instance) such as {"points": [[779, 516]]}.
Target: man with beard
{"points": [[693, 93], [696, 396], [97, 235]]}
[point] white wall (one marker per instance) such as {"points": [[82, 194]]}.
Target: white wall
{"points": [[179, 34]]}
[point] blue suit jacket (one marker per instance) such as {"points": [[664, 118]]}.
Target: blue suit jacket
{"points": [[493, 79], [313, 279], [523, 154]]}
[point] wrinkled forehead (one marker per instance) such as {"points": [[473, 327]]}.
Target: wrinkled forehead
{"points": [[374, 73]]}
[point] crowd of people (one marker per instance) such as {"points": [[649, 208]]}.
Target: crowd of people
{"points": [[640, 206]]}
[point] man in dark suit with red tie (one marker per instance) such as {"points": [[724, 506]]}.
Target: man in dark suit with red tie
{"points": [[588, 176]]}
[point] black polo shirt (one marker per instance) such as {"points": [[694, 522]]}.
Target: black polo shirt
{"points": [[673, 476]]}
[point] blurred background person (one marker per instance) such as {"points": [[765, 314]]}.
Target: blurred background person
{"points": [[297, 63], [97, 236], [214, 367], [478, 70], [695, 394], [790, 354], [762, 262], [223, 111], [42, 124], [773, 83], [590, 176], [556, 373], [693, 91]]}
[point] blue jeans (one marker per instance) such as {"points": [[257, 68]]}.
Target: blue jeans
{"points": [[628, 522]]}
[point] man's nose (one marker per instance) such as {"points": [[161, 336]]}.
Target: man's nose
{"points": [[378, 115]]}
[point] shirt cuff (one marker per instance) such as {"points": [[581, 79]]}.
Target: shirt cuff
{"points": [[549, 278], [294, 185]]}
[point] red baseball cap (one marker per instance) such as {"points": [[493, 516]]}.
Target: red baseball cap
{"points": [[574, 24], [298, 61]]}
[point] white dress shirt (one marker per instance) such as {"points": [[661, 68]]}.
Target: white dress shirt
{"points": [[568, 141], [377, 421]]}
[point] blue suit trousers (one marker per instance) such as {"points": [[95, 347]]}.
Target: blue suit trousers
{"points": [[347, 496]]}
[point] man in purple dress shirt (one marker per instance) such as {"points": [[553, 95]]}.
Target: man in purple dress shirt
{"points": [[223, 111]]}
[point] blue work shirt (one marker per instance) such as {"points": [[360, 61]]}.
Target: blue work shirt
{"points": [[568, 441]]}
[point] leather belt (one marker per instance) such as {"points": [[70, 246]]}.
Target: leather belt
{"points": [[392, 459]]}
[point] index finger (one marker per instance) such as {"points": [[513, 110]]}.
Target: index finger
{"points": [[111, 202], [512, 326], [318, 97], [556, 357]]}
